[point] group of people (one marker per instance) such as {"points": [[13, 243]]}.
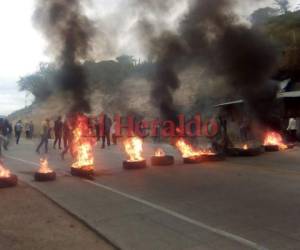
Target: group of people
{"points": [[102, 129], [7, 130], [19, 128], [62, 131]]}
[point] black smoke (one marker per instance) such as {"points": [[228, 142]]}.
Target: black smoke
{"points": [[211, 35], [165, 79], [68, 32]]}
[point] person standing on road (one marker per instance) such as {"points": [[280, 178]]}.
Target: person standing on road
{"points": [[292, 129], [97, 129], [66, 133], [157, 135], [2, 142], [27, 130], [18, 131], [69, 125], [10, 130], [244, 125], [58, 132], [6, 131], [3, 135], [105, 124], [45, 135], [114, 133], [31, 129]]}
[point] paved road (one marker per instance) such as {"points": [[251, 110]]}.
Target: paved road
{"points": [[241, 203]]}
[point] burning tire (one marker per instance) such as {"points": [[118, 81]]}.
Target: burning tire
{"points": [[271, 148], [274, 142], [84, 172], [44, 177], [213, 158], [204, 158], [244, 152], [166, 160], [132, 165], [193, 160], [10, 181]]}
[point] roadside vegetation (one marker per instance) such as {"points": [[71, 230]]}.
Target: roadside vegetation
{"points": [[277, 22]]}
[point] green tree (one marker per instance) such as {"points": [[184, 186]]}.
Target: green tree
{"points": [[262, 16], [40, 84]]}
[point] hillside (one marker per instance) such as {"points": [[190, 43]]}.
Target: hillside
{"points": [[284, 31], [196, 94], [122, 85]]}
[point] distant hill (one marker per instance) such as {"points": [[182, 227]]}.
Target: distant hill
{"points": [[122, 85], [284, 29]]}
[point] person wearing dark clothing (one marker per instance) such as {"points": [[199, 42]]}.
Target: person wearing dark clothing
{"points": [[58, 132], [66, 133], [97, 129], [10, 130], [105, 124], [31, 129], [2, 143], [18, 131], [222, 142], [68, 136], [4, 130], [27, 130], [244, 130], [45, 135]]}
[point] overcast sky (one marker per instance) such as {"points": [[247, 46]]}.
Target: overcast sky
{"points": [[22, 48]]}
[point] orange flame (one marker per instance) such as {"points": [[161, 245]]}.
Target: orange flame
{"points": [[188, 151], [245, 147], [134, 148], [44, 167], [160, 153], [82, 146], [274, 139], [4, 173]]}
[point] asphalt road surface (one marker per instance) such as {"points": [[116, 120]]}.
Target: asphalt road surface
{"points": [[241, 203]]}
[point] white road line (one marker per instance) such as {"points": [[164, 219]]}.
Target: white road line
{"points": [[21, 160], [184, 218], [222, 233]]}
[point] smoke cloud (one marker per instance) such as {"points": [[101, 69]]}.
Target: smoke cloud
{"points": [[211, 36], [68, 32]]}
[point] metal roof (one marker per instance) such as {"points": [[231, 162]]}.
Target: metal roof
{"points": [[229, 103], [282, 94], [291, 94]]}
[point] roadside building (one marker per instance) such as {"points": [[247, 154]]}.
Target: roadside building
{"points": [[235, 112]]}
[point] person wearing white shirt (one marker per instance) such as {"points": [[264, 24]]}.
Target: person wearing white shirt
{"points": [[292, 129]]}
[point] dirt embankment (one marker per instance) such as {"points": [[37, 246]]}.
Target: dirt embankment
{"points": [[196, 94], [29, 221]]}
